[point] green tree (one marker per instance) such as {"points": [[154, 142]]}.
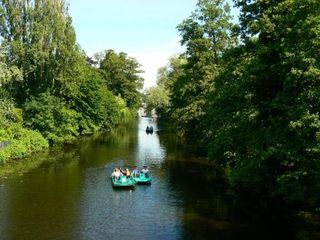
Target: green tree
{"points": [[168, 75], [40, 40], [265, 110], [160, 96], [8, 74], [206, 35], [157, 98], [52, 117], [20, 141], [100, 109], [122, 76]]}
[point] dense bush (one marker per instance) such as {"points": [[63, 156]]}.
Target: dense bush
{"points": [[22, 141], [99, 108], [52, 117]]}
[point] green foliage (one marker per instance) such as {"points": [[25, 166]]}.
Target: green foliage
{"points": [[257, 103], [100, 109], [94, 109], [121, 74], [265, 110], [23, 142], [157, 98], [123, 113], [167, 78], [206, 35], [44, 72], [168, 75], [7, 112], [8, 74], [39, 39], [52, 117]]}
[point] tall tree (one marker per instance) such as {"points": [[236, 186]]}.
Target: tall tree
{"points": [[168, 75], [206, 34], [40, 41], [122, 76], [100, 109], [265, 111], [161, 96], [8, 74]]}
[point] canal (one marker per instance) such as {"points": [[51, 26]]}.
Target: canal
{"points": [[72, 197]]}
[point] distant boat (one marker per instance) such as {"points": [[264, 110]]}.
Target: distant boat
{"points": [[149, 129]]}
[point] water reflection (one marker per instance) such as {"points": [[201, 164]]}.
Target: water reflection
{"points": [[149, 151], [4, 209], [42, 203]]}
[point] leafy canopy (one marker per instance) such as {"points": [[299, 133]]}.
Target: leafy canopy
{"points": [[121, 74]]}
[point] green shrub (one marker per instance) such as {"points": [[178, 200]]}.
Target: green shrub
{"points": [[4, 154], [23, 142], [52, 117], [100, 110]]}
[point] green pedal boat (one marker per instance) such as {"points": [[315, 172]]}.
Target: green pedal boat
{"points": [[123, 181], [142, 178]]}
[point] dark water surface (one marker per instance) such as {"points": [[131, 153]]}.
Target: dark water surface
{"points": [[72, 198]]}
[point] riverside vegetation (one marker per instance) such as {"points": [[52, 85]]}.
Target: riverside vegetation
{"points": [[250, 94], [50, 92]]}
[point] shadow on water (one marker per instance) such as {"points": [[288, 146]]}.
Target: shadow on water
{"points": [[73, 198]]}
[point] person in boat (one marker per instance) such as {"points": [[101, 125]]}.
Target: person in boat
{"points": [[135, 171], [123, 172], [116, 173], [128, 173], [113, 174], [145, 171]]}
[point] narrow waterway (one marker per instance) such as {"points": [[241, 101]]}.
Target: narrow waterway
{"points": [[72, 198]]}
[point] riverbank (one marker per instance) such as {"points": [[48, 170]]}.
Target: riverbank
{"points": [[16, 167], [28, 149], [19, 142]]}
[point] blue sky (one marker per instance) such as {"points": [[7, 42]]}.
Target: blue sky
{"points": [[145, 29]]}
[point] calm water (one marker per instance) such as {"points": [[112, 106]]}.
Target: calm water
{"points": [[72, 198]]}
